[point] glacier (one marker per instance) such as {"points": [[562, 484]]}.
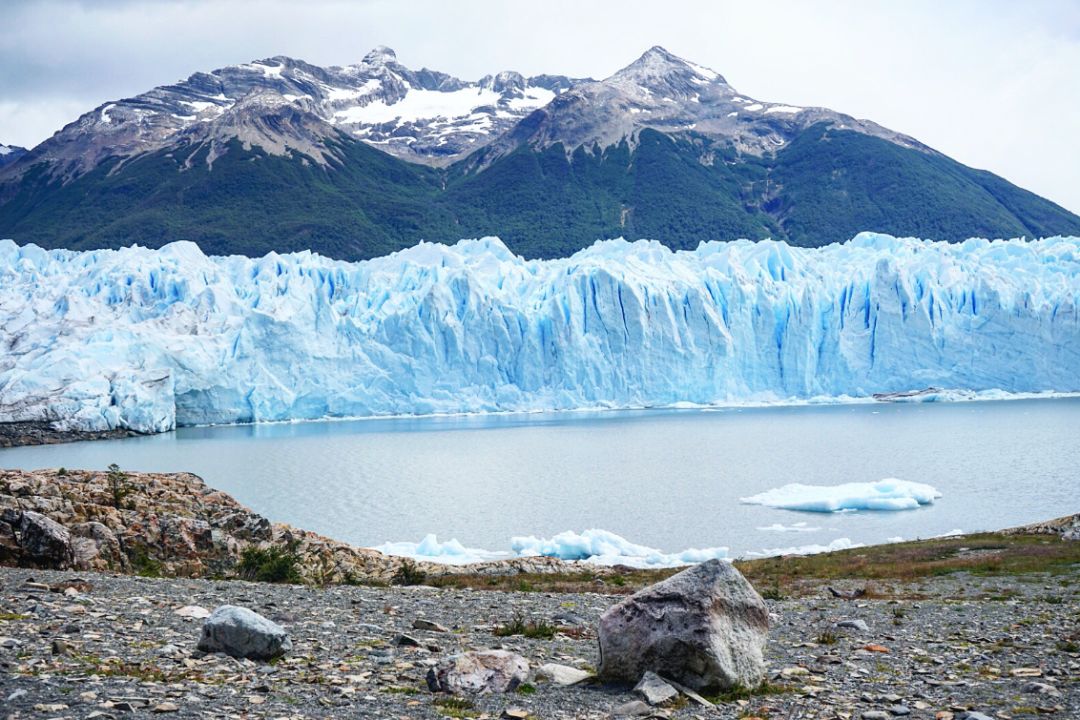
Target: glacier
{"points": [[152, 339]]}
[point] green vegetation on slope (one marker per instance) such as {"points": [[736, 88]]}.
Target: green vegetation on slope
{"points": [[823, 187]]}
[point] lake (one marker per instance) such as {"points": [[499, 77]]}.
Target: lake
{"points": [[668, 479]]}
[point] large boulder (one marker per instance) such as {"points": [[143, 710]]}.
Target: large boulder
{"points": [[36, 541], [243, 633], [705, 628], [479, 671]]}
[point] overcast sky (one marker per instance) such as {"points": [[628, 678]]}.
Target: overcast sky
{"points": [[993, 83]]}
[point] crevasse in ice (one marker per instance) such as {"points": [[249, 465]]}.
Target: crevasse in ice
{"points": [[150, 339]]}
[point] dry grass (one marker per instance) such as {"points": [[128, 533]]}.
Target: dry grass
{"points": [[986, 554]]}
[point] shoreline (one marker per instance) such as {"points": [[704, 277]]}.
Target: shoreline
{"points": [[41, 432]]}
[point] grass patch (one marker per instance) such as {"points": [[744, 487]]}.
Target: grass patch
{"points": [[827, 637], [12, 616], [273, 564], [455, 707], [526, 689], [401, 690], [744, 693], [408, 574], [542, 630], [144, 565]]}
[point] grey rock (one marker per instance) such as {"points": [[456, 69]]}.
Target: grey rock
{"points": [[243, 633], [634, 708], [875, 715], [477, 672], [704, 628], [561, 674], [404, 640], [421, 624], [39, 541], [900, 710], [859, 625], [654, 690], [971, 715], [1038, 688]]}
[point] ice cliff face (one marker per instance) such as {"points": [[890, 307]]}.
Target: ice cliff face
{"points": [[150, 339]]}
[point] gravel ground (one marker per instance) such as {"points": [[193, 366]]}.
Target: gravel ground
{"points": [[114, 646]]}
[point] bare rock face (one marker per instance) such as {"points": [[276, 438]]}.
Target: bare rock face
{"points": [[478, 672], [243, 633], [704, 628], [34, 540]]}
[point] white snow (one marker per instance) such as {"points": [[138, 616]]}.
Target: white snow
{"points": [[105, 113], [5, 150], [788, 109], [420, 105], [754, 108], [334, 94], [148, 339], [703, 71], [200, 106], [887, 494], [733, 114], [534, 97]]}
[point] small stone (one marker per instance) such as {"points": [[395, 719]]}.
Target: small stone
{"points": [[900, 710], [404, 640], [421, 624], [1039, 688], [17, 695], [60, 647], [1026, 672], [972, 715], [859, 625], [634, 708], [515, 713], [562, 674], [50, 707], [943, 715], [165, 707], [192, 611], [875, 715], [654, 690], [875, 648]]}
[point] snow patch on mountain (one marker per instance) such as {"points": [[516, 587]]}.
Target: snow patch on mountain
{"points": [[150, 339]]}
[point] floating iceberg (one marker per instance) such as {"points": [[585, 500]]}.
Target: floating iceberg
{"points": [[813, 549], [597, 547], [887, 494], [450, 552], [603, 547], [151, 339]]}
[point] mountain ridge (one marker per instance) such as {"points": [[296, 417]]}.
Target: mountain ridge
{"points": [[360, 160]]}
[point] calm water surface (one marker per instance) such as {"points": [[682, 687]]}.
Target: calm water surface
{"points": [[667, 479]]}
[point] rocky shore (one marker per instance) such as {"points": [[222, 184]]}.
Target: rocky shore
{"points": [[174, 525], [15, 434], [962, 628], [90, 645]]}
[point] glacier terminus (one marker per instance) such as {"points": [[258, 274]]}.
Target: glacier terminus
{"points": [[149, 340]]}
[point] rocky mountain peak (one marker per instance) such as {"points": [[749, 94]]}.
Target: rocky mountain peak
{"points": [[380, 55], [658, 70]]}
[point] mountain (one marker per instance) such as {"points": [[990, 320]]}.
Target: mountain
{"points": [[358, 161], [10, 153]]}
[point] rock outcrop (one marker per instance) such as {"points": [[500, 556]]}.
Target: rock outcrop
{"points": [[705, 628], [174, 525]]}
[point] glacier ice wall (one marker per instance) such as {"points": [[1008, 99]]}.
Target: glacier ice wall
{"points": [[149, 339]]}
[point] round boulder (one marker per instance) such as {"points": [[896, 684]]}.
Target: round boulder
{"points": [[243, 633], [704, 628]]}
